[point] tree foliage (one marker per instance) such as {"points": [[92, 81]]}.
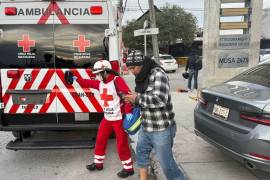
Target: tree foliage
{"points": [[128, 35], [173, 23]]}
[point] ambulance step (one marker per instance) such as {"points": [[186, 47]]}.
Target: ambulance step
{"points": [[39, 145]]}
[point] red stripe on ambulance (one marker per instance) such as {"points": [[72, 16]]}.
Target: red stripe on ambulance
{"points": [[64, 101], [13, 84], [71, 89], [27, 86], [46, 79], [92, 99], [48, 102], [53, 7], [14, 108], [40, 79]]}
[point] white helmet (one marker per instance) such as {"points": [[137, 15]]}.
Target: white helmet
{"points": [[101, 65]]}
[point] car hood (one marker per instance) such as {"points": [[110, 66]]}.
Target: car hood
{"points": [[243, 90]]}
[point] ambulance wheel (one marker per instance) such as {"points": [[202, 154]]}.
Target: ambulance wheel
{"points": [[25, 134]]}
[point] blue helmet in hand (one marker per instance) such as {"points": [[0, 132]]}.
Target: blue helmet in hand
{"points": [[132, 122]]}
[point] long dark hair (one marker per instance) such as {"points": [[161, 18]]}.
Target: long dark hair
{"points": [[112, 72]]}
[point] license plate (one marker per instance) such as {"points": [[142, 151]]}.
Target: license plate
{"points": [[81, 117], [220, 111]]}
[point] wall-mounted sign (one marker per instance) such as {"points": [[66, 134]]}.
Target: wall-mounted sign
{"points": [[238, 41], [232, 59]]}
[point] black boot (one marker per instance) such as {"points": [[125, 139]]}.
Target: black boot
{"points": [[93, 167], [125, 173]]}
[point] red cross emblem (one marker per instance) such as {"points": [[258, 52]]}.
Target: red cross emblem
{"points": [[105, 97], [81, 43], [53, 7], [26, 43]]}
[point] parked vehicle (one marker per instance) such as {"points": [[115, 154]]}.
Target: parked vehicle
{"points": [[265, 57], [235, 117], [39, 42], [167, 62]]}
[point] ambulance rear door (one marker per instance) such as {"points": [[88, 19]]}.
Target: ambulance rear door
{"points": [[27, 63], [79, 32]]}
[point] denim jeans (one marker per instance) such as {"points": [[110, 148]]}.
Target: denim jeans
{"points": [[193, 72], [161, 142]]}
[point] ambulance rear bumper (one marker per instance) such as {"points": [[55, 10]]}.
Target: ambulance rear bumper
{"points": [[45, 127], [31, 122]]}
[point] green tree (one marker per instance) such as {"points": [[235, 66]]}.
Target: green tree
{"points": [[173, 23], [128, 35]]}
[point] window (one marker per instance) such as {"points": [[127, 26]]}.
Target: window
{"points": [[166, 57], [79, 45], [257, 75]]}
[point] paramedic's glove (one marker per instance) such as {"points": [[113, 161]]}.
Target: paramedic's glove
{"points": [[74, 78], [69, 77]]}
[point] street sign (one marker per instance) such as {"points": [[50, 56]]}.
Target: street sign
{"points": [[232, 1], [232, 59], [150, 31], [234, 11], [234, 25], [238, 41]]}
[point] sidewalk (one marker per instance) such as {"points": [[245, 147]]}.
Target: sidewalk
{"points": [[200, 160]]}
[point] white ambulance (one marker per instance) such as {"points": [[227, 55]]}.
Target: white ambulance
{"points": [[39, 41]]}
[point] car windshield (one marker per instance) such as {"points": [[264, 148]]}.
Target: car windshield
{"points": [[257, 75], [166, 57]]}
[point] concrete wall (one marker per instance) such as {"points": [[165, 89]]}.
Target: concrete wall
{"points": [[211, 74]]}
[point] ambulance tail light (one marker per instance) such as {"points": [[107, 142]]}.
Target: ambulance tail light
{"points": [[115, 65], [1, 98], [96, 10], [13, 74], [10, 11]]}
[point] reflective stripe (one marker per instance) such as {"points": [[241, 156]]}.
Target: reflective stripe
{"points": [[99, 157], [135, 125], [128, 167], [98, 162], [61, 94], [127, 161]]}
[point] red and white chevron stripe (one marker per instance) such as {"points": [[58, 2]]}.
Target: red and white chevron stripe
{"points": [[63, 98]]}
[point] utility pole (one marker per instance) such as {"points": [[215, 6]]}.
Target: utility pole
{"points": [[153, 25], [120, 29]]}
